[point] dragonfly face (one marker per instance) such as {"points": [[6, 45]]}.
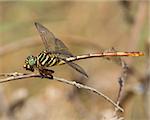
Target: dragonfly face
{"points": [[30, 63]]}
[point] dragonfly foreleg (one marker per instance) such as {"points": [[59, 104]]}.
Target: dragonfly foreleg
{"points": [[46, 73]]}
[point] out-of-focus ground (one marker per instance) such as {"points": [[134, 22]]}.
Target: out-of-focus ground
{"points": [[85, 27]]}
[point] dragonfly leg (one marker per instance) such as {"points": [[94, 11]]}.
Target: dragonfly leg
{"points": [[46, 73]]}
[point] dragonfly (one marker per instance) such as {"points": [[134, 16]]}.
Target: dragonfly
{"points": [[56, 53]]}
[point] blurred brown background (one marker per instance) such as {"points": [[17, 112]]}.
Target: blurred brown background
{"points": [[85, 27]]}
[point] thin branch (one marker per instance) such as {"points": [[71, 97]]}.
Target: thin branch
{"points": [[18, 76], [122, 79]]}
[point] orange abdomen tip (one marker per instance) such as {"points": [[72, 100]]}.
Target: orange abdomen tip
{"points": [[137, 54]]}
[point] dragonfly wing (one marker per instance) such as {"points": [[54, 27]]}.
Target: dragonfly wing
{"points": [[61, 48], [51, 43], [48, 37], [76, 67]]}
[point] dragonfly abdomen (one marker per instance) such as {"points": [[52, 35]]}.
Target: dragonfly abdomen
{"points": [[47, 59]]}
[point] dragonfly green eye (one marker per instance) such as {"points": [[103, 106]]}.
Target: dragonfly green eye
{"points": [[30, 62]]}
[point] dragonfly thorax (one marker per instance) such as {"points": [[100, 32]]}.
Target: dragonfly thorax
{"points": [[30, 62], [47, 59]]}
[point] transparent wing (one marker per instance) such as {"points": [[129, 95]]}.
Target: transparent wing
{"points": [[50, 42], [76, 67], [61, 48], [47, 37]]}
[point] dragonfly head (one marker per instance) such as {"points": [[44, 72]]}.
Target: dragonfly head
{"points": [[30, 62]]}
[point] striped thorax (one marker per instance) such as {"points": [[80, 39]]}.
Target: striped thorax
{"points": [[47, 59]]}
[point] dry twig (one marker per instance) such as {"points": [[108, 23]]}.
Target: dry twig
{"points": [[122, 80], [18, 76]]}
